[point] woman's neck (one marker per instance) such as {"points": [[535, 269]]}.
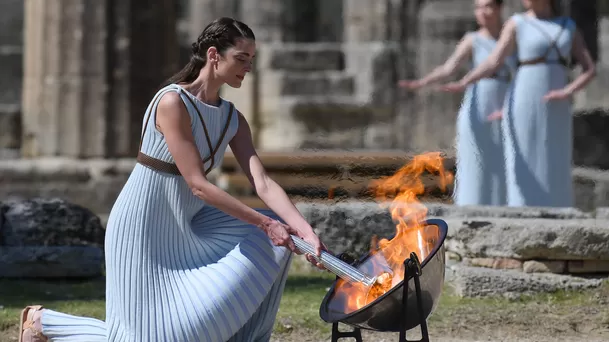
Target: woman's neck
{"points": [[206, 87], [542, 11], [493, 31]]}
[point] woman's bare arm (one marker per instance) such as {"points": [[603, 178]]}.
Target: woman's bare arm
{"points": [[174, 123], [582, 55], [462, 51], [266, 188], [505, 47]]}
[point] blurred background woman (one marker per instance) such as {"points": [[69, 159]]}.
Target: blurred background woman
{"points": [[538, 122], [480, 177]]}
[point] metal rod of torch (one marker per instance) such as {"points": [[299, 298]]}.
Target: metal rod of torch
{"points": [[334, 264]]}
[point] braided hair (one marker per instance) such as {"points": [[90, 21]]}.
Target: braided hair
{"points": [[222, 34]]}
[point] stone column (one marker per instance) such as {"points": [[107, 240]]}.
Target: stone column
{"points": [[373, 20], [203, 12], [90, 69], [11, 60]]}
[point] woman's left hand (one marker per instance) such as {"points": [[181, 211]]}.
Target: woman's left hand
{"points": [[496, 115], [307, 234], [453, 87], [559, 94]]}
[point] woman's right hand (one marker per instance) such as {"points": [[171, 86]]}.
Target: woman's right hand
{"points": [[453, 87], [279, 234], [410, 84]]}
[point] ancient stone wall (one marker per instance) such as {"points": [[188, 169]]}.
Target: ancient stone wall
{"points": [[95, 183], [325, 76], [490, 251], [90, 70]]}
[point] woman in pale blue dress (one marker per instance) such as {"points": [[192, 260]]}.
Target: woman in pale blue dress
{"points": [[186, 261], [480, 177], [537, 124]]}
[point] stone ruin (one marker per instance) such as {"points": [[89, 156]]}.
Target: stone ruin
{"points": [[490, 250], [71, 111], [335, 60]]}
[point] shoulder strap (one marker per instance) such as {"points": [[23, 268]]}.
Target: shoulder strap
{"points": [[553, 41], [172, 168], [212, 153]]}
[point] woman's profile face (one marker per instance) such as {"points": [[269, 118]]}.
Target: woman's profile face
{"points": [[236, 62], [487, 12]]}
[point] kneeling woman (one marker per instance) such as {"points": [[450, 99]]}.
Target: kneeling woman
{"points": [[185, 260]]}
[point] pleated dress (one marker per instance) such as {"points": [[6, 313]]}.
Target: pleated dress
{"points": [[179, 269], [480, 177], [539, 134]]}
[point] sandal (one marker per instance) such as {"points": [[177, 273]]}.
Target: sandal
{"points": [[27, 329]]}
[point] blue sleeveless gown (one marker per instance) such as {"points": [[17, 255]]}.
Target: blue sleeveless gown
{"points": [[480, 176], [539, 134], [177, 268]]}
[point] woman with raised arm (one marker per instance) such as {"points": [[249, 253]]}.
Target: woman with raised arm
{"points": [[186, 261], [537, 125], [480, 177]]}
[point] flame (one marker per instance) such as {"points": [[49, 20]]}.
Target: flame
{"points": [[399, 194]]}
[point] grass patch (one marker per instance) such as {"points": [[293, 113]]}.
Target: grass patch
{"points": [[298, 314], [300, 303]]}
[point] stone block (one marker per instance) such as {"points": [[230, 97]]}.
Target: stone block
{"points": [[537, 239], [473, 211], [316, 84], [333, 115], [487, 282], [49, 222], [544, 266], [588, 266], [303, 57], [329, 122], [49, 238], [496, 263]]}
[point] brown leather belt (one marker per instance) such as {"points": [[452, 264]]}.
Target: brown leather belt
{"points": [[543, 60]]}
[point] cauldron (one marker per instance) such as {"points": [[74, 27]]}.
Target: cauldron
{"points": [[402, 307]]}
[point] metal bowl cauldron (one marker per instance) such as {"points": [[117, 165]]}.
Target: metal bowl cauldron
{"points": [[386, 312]]}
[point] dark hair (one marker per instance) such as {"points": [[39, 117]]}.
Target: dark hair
{"points": [[498, 2], [555, 6], [222, 34]]}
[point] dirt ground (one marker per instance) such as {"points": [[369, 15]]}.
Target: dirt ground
{"points": [[568, 316]]}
